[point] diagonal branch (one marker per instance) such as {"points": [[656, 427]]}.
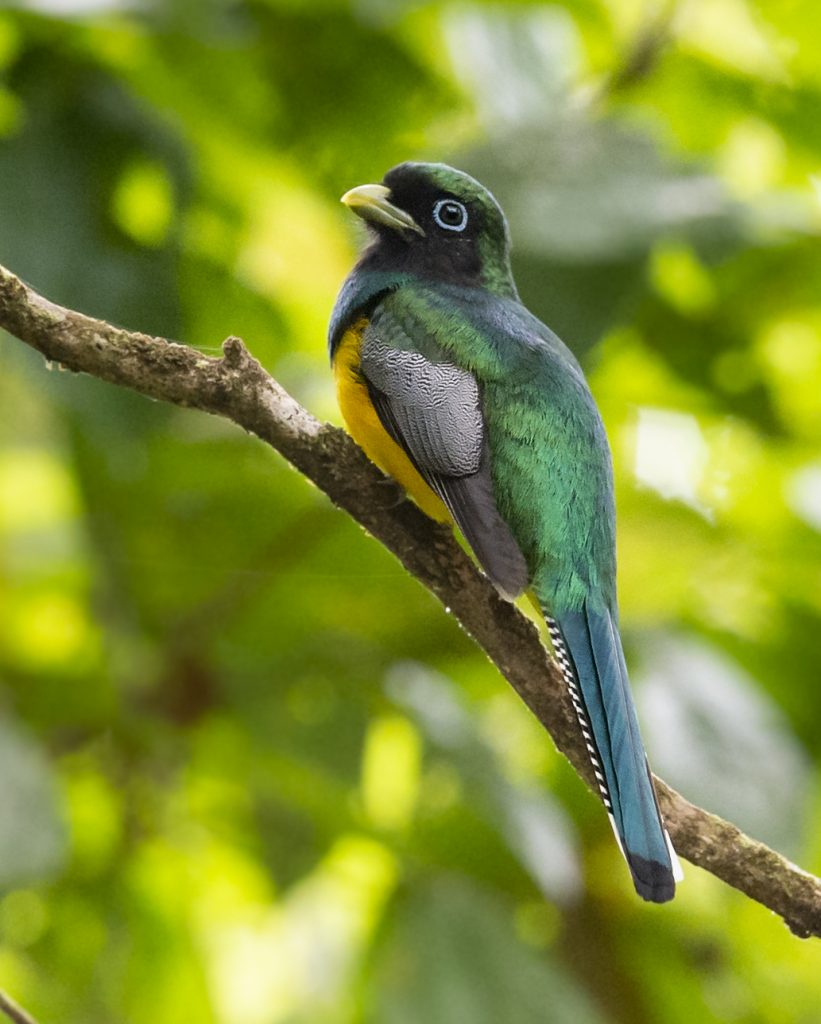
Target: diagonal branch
{"points": [[14, 1011], [237, 388]]}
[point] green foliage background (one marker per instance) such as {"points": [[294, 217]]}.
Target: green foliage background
{"points": [[250, 772]]}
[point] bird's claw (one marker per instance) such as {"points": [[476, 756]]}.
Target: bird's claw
{"points": [[398, 493]]}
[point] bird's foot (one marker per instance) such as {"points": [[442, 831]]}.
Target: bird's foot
{"points": [[392, 491]]}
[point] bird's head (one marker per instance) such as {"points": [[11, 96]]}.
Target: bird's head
{"points": [[438, 223]]}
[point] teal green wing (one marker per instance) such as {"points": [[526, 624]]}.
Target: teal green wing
{"points": [[432, 409]]}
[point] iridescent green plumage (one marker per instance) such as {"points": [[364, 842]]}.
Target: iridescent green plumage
{"points": [[494, 412]]}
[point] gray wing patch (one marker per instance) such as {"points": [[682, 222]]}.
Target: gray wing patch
{"points": [[435, 406], [432, 410]]}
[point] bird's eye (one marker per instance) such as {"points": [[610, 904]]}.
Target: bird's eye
{"points": [[450, 215]]}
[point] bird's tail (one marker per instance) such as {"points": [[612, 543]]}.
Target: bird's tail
{"points": [[588, 649]]}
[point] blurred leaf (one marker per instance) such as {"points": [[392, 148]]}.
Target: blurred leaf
{"points": [[716, 737], [450, 955], [32, 834], [533, 825]]}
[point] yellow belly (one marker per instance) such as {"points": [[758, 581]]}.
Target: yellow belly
{"points": [[366, 429]]}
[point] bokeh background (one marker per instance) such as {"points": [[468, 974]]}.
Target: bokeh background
{"points": [[250, 771]]}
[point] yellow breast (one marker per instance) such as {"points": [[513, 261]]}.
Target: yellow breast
{"points": [[366, 428]]}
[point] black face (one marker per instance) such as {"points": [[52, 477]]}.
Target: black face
{"points": [[437, 209], [453, 222]]}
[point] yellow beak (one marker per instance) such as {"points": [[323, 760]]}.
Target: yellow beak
{"points": [[370, 202]]}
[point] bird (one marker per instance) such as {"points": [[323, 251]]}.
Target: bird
{"points": [[484, 416]]}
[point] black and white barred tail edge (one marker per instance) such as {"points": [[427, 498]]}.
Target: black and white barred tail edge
{"points": [[563, 658], [569, 674]]}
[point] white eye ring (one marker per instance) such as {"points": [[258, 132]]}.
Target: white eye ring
{"points": [[459, 225]]}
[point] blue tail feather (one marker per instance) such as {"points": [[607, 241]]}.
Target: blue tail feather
{"points": [[589, 650]]}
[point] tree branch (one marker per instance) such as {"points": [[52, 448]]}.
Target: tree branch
{"points": [[237, 388], [13, 1011]]}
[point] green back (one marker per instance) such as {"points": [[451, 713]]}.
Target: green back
{"points": [[549, 454]]}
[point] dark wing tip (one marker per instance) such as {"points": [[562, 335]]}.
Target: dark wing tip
{"points": [[472, 504], [653, 881]]}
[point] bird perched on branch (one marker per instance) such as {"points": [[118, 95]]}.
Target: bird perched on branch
{"points": [[484, 416]]}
